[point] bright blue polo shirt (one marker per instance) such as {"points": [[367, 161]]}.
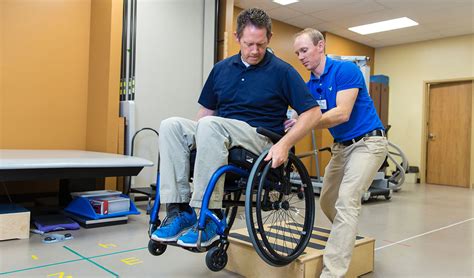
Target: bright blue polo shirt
{"points": [[338, 76], [259, 94]]}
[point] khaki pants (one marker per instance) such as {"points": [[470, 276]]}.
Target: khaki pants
{"points": [[348, 175], [212, 137]]}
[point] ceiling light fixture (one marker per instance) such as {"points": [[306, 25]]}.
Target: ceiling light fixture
{"points": [[285, 2], [383, 26]]}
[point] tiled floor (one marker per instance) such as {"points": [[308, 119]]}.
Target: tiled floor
{"points": [[424, 231]]}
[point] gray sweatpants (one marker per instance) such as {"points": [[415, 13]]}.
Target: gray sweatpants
{"points": [[348, 175], [212, 137]]}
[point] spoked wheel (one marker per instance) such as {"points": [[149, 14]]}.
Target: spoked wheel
{"points": [[156, 248], [216, 259], [279, 221], [231, 212]]}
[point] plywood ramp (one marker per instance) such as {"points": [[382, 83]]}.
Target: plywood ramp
{"points": [[244, 260]]}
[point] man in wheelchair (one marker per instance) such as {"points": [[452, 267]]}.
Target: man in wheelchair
{"points": [[251, 89]]}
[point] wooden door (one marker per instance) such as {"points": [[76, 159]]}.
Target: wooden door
{"points": [[379, 95], [449, 134]]}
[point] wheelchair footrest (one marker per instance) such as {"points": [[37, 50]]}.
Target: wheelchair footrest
{"points": [[191, 249]]}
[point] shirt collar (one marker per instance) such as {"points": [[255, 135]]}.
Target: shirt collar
{"points": [[243, 62], [266, 59], [327, 66]]}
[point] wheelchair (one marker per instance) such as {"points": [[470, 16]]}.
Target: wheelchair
{"points": [[279, 213]]}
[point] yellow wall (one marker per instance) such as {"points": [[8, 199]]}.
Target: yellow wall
{"points": [[45, 50], [103, 120], [344, 47], [408, 66], [104, 76], [59, 76]]}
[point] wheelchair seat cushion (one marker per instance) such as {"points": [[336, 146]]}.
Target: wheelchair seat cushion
{"points": [[238, 156], [241, 157]]}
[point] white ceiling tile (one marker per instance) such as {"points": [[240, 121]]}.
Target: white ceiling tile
{"points": [[243, 4], [411, 39], [311, 6], [462, 23], [440, 14], [304, 21], [422, 4], [283, 13], [348, 10], [437, 18], [405, 32], [457, 31], [352, 36], [366, 41], [267, 5], [324, 26], [361, 19], [376, 44]]}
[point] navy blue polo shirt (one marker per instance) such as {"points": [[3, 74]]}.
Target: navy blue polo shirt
{"points": [[259, 94], [338, 76]]}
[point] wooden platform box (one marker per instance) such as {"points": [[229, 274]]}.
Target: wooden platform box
{"points": [[14, 222], [244, 260]]}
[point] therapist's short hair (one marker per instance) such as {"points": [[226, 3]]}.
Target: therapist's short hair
{"points": [[313, 34]]}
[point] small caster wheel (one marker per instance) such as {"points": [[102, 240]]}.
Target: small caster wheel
{"points": [[156, 248], [216, 259]]}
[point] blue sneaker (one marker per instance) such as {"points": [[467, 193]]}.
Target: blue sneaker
{"points": [[172, 228], [209, 235]]}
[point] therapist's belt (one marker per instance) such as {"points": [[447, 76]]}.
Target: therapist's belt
{"points": [[376, 132]]}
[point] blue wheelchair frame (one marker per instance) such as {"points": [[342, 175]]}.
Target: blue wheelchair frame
{"points": [[216, 257], [205, 211]]}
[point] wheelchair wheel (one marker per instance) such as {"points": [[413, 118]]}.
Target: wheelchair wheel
{"points": [[231, 212], [279, 218], [216, 259], [156, 248]]}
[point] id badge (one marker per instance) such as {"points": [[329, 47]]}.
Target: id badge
{"points": [[322, 104]]}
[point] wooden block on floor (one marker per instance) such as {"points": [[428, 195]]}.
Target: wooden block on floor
{"points": [[14, 222], [244, 260]]}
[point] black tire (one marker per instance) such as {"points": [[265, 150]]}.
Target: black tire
{"points": [[156, 248], [216, 259], [270, 196]]}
